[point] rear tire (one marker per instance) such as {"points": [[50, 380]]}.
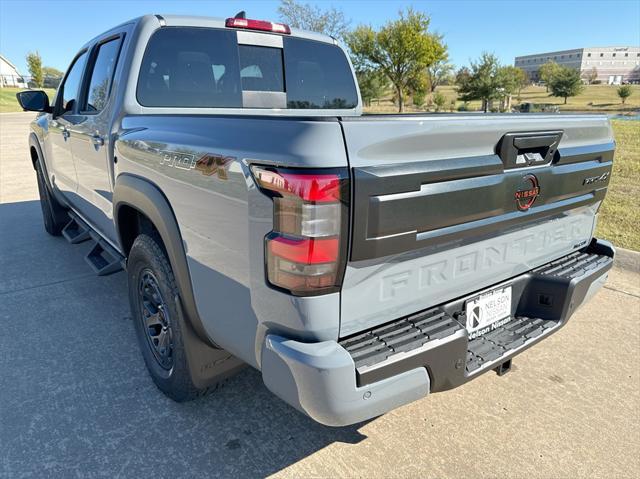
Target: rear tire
{"points": [[54, 215], [160, 326]]}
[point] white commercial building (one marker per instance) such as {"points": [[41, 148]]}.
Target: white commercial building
{"points": [[614, 65]]}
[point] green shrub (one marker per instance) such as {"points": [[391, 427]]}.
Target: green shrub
{"points": [[419, 98], [439, 100]]}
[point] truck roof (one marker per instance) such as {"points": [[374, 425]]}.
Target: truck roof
{"points": [[207, 22]]}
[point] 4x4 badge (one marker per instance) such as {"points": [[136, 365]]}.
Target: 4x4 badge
{"points": [[527, 192]]}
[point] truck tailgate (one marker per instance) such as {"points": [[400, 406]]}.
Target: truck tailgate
{"points": [[445, 205]]}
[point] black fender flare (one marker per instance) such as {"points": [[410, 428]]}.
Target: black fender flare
{"points": [[145, 197], [34, 142]]}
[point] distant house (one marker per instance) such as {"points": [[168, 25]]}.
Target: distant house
{"points": [[9, 75]]}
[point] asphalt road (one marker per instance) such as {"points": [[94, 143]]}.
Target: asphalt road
{"points": [[75, 399]]}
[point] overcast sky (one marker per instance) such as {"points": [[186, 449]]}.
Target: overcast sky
{"points": [[57, 28]]}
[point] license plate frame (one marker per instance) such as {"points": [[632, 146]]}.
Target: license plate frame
{"points": [[488, 310]]}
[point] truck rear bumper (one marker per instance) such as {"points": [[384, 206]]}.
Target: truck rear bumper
{"points": [[363, 376]]}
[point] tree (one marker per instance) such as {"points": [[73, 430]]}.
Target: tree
{"points": [[52, 72], [462, 75], [624, 92], [34, 63], [373, 84], [547, 72], [52, 77], [310, 17], [484, 81], [566, 82], [510, 80], [401, 49], [591, 75], [439, 73], [522, 79]]}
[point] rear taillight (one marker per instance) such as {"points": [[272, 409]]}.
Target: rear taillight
{"points": [[260, 25], [306, 250]]}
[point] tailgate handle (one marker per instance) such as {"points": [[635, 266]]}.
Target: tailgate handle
{"points": [[518, 150], [534, 141]]}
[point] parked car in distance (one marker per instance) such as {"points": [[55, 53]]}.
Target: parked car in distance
{"points": [[538, 108]]}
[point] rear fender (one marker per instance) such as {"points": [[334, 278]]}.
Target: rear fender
{"points": [[204, 356]]}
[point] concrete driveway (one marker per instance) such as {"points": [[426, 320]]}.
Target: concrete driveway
{"points": [[75, 398]]}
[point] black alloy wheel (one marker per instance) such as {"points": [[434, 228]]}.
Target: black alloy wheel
{"points": [[155, 319]]}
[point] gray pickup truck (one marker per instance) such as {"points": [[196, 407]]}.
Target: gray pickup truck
{"points": [[360, 262]]}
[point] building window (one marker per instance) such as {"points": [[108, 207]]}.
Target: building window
{"points": [[601, 55], [589, 55], [626, 54], [614, 54]]}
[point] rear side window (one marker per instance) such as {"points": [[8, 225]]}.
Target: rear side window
{"points": [[190, 67], [204, 67], [317, 76], [102, 75]]}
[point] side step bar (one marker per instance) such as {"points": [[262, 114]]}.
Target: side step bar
{"points": [[102, 257], [76, 230]]}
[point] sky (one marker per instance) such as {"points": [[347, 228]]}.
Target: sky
{"points": [[58, 28]]}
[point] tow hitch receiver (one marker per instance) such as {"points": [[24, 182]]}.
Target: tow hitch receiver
{"points": [[503, 368]]}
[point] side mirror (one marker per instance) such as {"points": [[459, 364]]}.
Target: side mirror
{"points": [[34, 100]]}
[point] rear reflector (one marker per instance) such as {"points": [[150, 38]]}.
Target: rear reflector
{"points": [[260, 25], [305, 252]]}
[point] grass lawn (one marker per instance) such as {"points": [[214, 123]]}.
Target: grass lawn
{"points": [[619, 219], [8, 101], [594, 98]]}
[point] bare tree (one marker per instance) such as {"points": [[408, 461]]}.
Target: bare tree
{"points": [[438, 73], [311, 17]]}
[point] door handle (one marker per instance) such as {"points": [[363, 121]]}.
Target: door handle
{"points": [[97, 140], [65, 134]]}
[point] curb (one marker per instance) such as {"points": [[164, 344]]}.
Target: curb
{"points": [[628, 260]]}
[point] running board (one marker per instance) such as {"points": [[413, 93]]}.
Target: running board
{"points": [[76, 231], [102, 258]]}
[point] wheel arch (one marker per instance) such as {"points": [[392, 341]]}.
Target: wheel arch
{"points": [[132, 196]]}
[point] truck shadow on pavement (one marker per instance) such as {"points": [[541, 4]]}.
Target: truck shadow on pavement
{"points": [[75, 398]]}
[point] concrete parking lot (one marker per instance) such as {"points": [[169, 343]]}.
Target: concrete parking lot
{"points": [[75, 398]]}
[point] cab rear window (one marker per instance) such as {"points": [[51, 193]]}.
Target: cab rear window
{"points": [[206, 68]]}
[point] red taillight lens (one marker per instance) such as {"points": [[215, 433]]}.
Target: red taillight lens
{"points": [[305, 250], [260, 25]]}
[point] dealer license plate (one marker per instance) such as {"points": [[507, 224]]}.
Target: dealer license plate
{"points": [[488, 311]]}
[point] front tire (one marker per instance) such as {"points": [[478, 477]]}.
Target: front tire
{"points": [[54, 215], [159, 324]]}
